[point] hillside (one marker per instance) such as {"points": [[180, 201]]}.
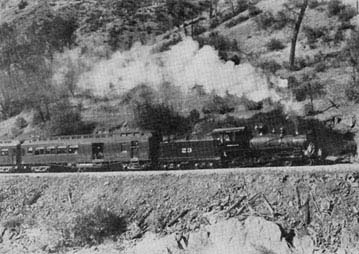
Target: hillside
{"points": [[96, 62]]}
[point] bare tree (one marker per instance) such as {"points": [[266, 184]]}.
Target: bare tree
{"points": [[303, 6]]}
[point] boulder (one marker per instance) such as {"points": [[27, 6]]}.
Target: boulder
{"points": [[253, 236]]}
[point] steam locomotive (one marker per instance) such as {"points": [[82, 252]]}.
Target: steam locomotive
{"points": [[137, 150]]}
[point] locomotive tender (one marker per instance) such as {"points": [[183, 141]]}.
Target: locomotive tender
{"points": [[136, 150]]}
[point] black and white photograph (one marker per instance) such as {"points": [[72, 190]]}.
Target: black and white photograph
{"points": [[179, 126]]}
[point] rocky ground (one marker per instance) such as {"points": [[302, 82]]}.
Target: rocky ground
{"points": [[249, 212]]}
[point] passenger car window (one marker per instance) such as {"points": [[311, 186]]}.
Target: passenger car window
{"points": [[74, 149], [53, 150], [4, 152], [61, 149], [39, 150]]}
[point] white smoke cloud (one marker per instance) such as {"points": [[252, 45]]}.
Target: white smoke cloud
{"points": [[184, 65]]}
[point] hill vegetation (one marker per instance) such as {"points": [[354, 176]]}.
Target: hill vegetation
{"points": [[51, 50]]}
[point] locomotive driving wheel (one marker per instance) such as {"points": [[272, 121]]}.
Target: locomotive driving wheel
{"points": [[288, 163], [310, 150]]}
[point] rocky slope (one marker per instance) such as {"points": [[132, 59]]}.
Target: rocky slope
{"points": [[107, 214]]}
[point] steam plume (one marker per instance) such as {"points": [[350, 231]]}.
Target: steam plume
{"points": [[184, 65]]}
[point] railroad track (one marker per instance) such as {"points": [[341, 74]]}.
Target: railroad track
{"points": [[337, 168]]}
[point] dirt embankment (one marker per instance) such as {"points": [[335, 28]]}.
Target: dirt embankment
{"points": [[212, 213]]}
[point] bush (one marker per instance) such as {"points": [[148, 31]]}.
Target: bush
{"points": [[308, 90], [242, 5], [214, 23], [347, 13], [346, 25], [320, 67], [281, 20], [217, 105], [251, 105], [344, 12], [254, 10], [313, 34], [94, 227], [265, 20], [299, 64], [198, 29], [66, 120], [270, 65], [335, 7], [227, 16], [275, 44], [352, 92], [20, 122], [339, 36], [219, 42], [313, 4]]}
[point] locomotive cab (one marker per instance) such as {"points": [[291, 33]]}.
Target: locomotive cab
{"points": [[233, 144]]}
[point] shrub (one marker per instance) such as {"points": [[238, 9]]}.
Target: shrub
{"points": [[20, 122], [281, 20], [299, 64], [94, 227], [242, 5], [66, 120], [320, 67], [335, 7], [313, 4], [219, 42], [308, 90], [339, 36], [265, 20], [251, 105], [346, 25], [347, 13], [227, 16], [275, 44], [352, 92], [327, 38], [270, 65], [217, 105], [292, 82], [254, 10], [214, 23], [198, 29], [313, 34]]}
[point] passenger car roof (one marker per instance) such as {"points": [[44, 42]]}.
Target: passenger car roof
{"points": [[87, 139]]}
